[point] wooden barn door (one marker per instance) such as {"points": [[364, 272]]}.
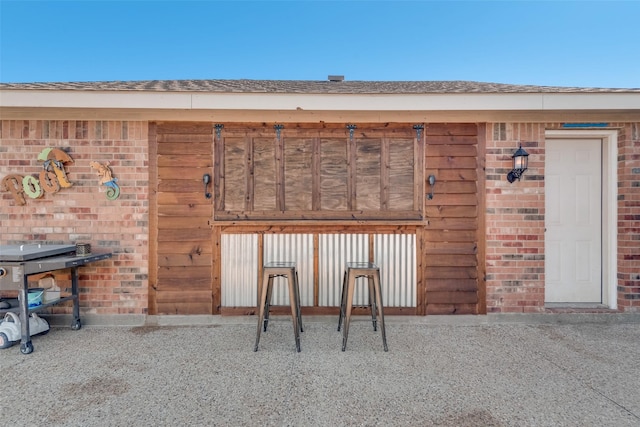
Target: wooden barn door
{"points": [[453, 238], [180, 276]]}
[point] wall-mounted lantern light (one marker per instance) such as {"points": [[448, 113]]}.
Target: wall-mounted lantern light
{"points": [[520, 164]]}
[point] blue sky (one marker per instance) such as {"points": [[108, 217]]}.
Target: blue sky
{"points": [[558, 43]]}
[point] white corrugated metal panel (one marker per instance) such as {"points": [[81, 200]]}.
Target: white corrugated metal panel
{"points": [[334, 251], [395, 254], [296, 248], [239, 270]]}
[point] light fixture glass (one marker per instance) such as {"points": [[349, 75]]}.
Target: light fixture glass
{"points": [[520, 164]]}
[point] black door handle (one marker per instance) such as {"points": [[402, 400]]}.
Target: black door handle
{"points": [[206, 178]]}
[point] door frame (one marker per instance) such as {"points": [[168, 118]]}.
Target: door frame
{"points": [[609, 139]]}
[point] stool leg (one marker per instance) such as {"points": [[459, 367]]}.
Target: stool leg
{"points": [[349, 304], [263, 300], [293, 300], [342, 300], [297, 285], [267, 305], [376, 284], [372, 302]]}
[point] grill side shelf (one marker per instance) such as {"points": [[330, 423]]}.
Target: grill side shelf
{"points": [[60, 263], [15, 307], [31, 251]]}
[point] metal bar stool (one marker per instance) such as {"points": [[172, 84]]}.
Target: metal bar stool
{"points": [[353, 271], [270, 271]]}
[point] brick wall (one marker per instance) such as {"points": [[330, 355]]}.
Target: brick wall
{"points": [[82, 213], [629, 218], [515, 218]]}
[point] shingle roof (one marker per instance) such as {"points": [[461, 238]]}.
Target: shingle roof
{"points": [[308, 87]]}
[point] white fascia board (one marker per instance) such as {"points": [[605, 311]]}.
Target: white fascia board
{"points": [[320, 102], [94, 99], [367, 102], [591, 101]]}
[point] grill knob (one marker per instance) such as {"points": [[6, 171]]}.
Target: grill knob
{"points": [[3, 271]]}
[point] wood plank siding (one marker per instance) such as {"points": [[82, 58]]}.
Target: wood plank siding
{"points": [[316, 179], [184, 243], [451, 236]]}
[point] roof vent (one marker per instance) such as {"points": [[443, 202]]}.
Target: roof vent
{"points": [[336, 78]]}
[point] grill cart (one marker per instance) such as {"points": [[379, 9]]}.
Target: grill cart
{"points": [[17, 262]]}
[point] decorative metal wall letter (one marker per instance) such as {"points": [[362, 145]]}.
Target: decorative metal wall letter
{"points": [[13, 184], [48, 180], [106, 178], [53, 159]]}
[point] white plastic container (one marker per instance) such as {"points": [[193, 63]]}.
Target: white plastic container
{"points": [[51, 289], [34, 297], [51, 295]]}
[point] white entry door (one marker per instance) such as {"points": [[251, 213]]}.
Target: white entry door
{"points": [[573, 221]]}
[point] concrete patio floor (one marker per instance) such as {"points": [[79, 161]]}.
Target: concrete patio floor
{"points": [[574, 370]]}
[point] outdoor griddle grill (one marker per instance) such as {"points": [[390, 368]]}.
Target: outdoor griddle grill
{"points": [[17, 262]]}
